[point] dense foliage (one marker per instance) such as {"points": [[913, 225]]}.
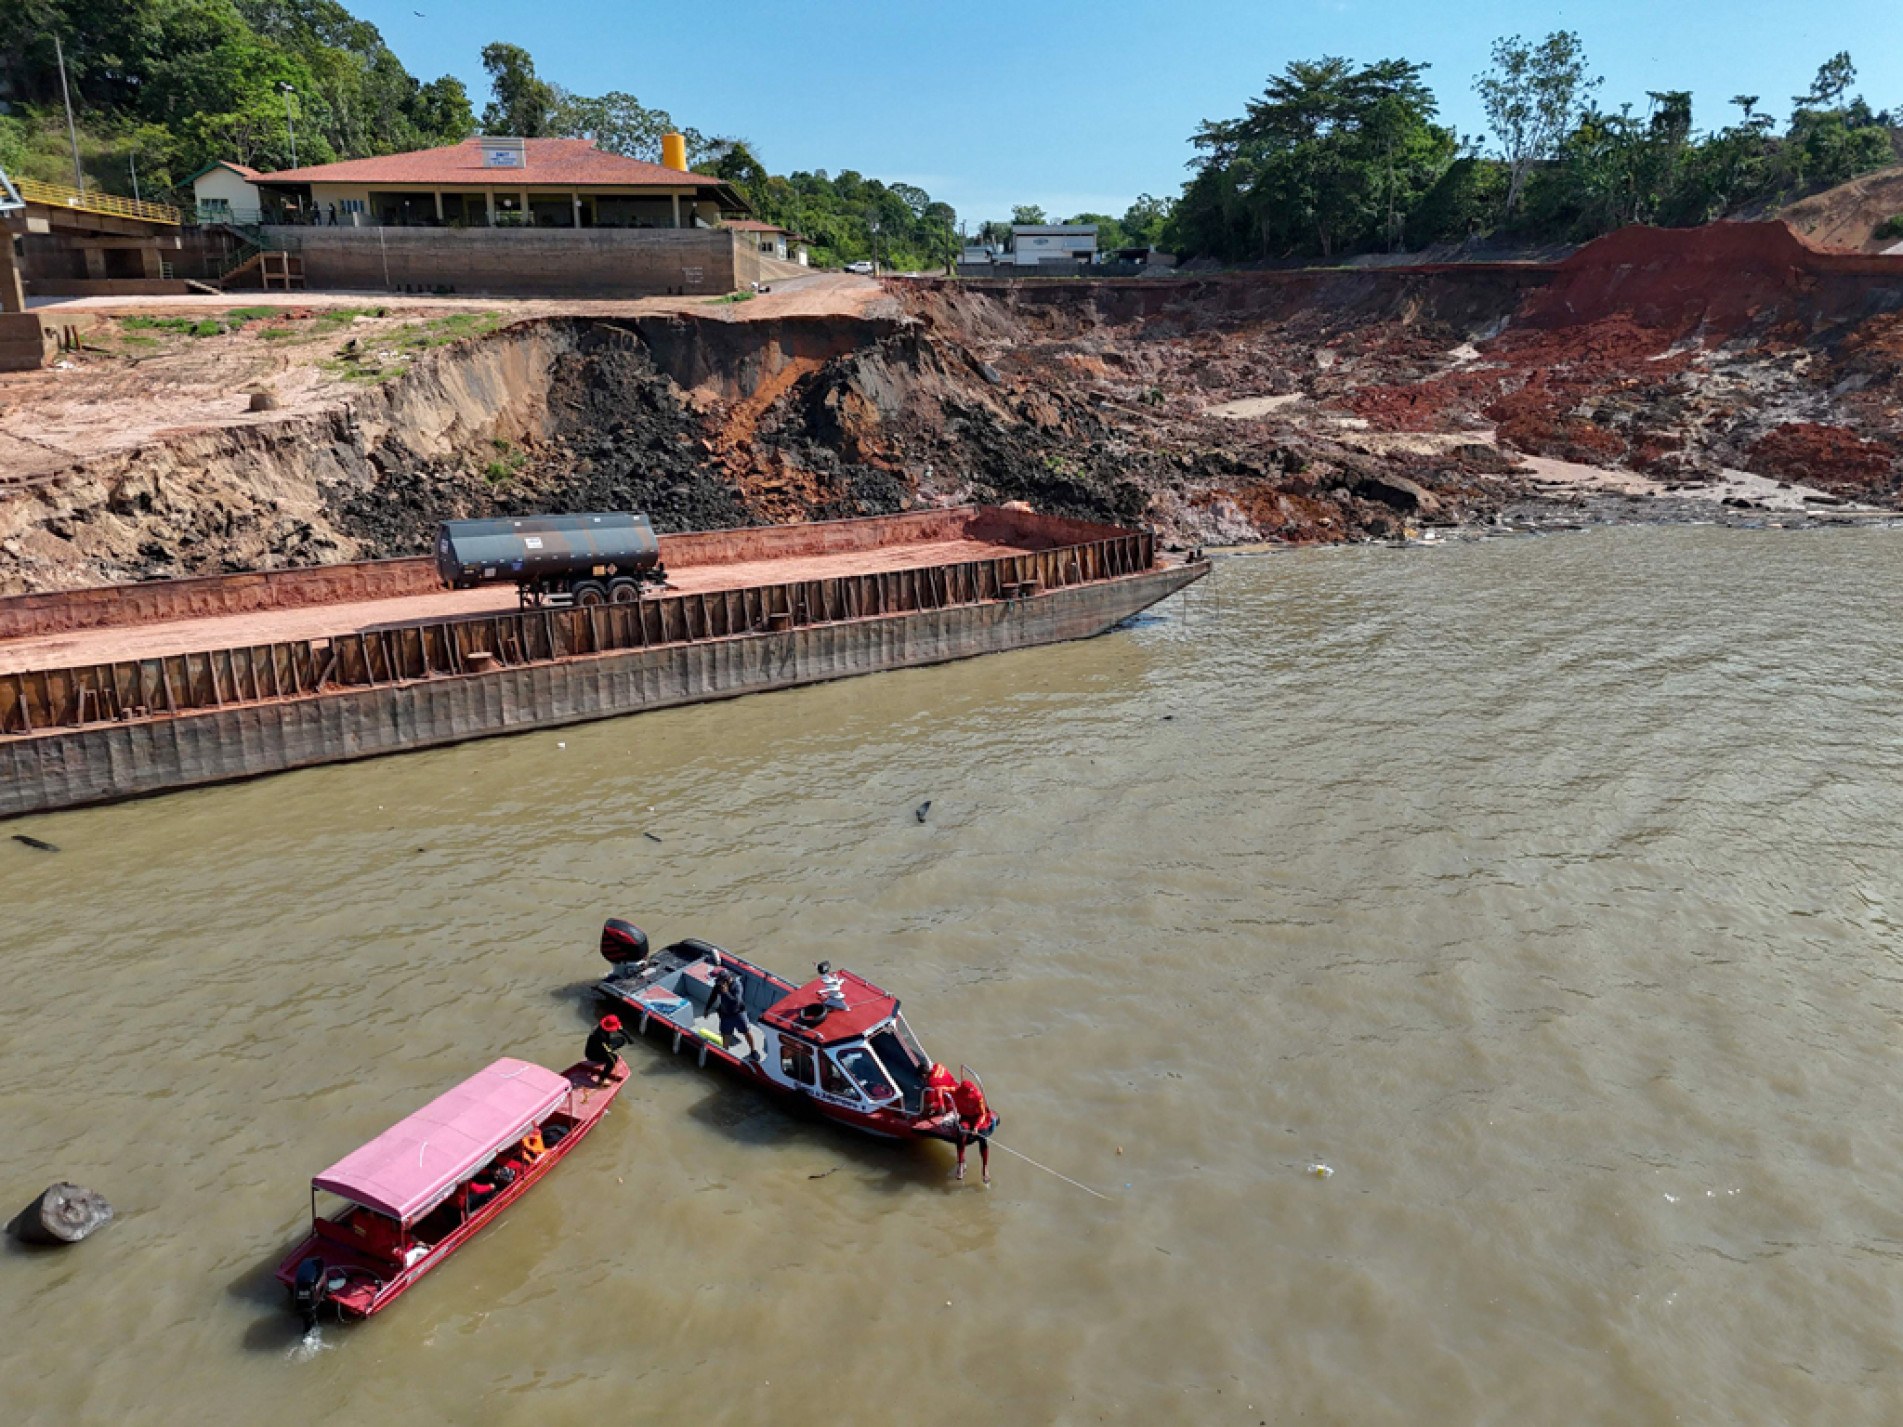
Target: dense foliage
{"points": [[1334, 159], [173, 85]]}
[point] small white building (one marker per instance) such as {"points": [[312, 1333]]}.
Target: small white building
{"points": [[1067, 244], [223, 193], [771, 239]]}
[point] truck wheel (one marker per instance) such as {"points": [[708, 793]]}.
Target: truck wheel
{"points": [[622, 590], [589, 593]]}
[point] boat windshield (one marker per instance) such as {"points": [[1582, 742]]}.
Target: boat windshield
{"points": [[908, 1040], [863, 1066]]}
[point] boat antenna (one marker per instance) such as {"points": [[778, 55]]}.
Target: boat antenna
{"points": [[1000, 1145]]}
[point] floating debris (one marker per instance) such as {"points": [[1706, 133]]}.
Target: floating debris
{"points": [[34, 842], [922, 809]]}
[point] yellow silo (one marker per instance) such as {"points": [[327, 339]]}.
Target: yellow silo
{"points": [[674, 151]]}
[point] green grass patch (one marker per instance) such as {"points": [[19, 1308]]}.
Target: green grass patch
{"points": [[1891, 227], [238, 316], [731, 297], [389, 354], [507, 465]]}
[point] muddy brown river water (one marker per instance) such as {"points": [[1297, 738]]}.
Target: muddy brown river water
{"points": [[1542, 889]]}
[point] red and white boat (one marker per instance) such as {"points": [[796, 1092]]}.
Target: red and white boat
{"points": [[837, 1043], [427, 1185]]}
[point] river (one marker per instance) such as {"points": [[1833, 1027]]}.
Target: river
{"points": [[1540, 889]]}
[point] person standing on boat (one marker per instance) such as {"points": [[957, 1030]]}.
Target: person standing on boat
{"points": [[729, 1004], [600, 1050], [974, 1123]]}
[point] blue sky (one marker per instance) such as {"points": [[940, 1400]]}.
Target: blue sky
{"points": [[1079, 107]]}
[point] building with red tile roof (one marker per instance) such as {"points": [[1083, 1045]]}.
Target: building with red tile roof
{"points": [[498, 182]]}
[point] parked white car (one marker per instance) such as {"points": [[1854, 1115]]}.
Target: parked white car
{"points": [[862, 266]]}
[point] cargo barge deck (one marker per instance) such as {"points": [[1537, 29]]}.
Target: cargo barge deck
{"points": [[118, 693]]}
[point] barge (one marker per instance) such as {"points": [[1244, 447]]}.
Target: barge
{"points": [[141, 689]]}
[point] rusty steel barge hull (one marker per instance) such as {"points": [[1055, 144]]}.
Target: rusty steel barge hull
{"points": [[151, 726]]}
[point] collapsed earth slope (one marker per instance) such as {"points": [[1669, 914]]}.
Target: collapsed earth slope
{"points": [[1303, 406]]}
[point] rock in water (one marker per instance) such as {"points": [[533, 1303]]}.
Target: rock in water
{"points": [[64, 1214]]}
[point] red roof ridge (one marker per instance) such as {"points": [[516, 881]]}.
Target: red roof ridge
{"points": [[549, 163]]}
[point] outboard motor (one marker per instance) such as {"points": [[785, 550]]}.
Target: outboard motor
{"points": [[309, 1290], [623, 943]]}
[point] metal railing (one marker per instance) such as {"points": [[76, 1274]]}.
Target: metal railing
{"points": [[93, 200], [40, 700]]}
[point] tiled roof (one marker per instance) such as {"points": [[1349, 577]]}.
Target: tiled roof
{"points": [[551, 163], [753, 225]]}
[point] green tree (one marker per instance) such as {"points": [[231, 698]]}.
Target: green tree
{"points": [[617, 122], [1534, 96], [1144, 220], [523, 105], [1028, 215]]}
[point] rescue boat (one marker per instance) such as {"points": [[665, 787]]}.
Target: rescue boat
{"points": [[837, 1043], [427, 1185]]}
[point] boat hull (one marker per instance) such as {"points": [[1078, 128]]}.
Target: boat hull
{"points": [[63, 768]]}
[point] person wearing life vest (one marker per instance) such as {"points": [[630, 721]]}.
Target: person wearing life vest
{"points": [[935, 1100], [600, 1050], [532, 1146], [974, 1120]]}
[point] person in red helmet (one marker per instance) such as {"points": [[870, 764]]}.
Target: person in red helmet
{"points": [[974, 1123], [600, 1050]]}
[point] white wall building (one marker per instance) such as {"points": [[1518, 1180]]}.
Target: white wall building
{"points": [[1064, 243]]}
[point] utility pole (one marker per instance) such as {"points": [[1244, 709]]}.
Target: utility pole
{"points": [[72, 133], [287, 89], [132, 162]]}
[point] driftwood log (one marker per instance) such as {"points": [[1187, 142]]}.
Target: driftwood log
{"points": [[63, 1214]]}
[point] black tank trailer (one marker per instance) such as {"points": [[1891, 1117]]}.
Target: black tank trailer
{"points": [[582, 559]]}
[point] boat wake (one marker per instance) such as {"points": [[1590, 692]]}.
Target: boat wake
{"points": [[309, 1346]]}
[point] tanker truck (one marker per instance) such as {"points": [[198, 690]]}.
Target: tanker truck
{"points": [[603, 558]]}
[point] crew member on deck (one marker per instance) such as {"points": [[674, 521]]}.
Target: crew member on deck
{"points": [[532, 1146], [729, 1004], [936, 1098], [600, 1050], [974, 1119]]}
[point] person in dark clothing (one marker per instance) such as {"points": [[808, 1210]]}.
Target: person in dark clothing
{"points": [[600, 1050], [728, 1003]]}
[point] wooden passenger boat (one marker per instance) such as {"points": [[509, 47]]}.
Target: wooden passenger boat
{"points": [[427, 1185], [837, 1043]]}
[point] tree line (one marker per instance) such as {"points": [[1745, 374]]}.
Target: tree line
{"points": [[1335, 158], [165, 87]]}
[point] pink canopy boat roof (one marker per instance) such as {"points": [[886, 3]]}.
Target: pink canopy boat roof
{"points": [[412, 1166]]}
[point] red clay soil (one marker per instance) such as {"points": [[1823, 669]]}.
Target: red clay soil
{"points": [[1828, 457], [1721, 279]]}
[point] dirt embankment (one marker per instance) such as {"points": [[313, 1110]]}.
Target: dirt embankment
{"points": [[1307, 406]]}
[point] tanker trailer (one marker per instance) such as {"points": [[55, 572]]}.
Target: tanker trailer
{"points": [[564, 559]]}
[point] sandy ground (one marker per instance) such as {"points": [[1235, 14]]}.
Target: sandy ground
{"points": [[118, 394], [1736, 485], [151, 641]]}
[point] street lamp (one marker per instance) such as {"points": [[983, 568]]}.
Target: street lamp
{"points": [[872, 226], [287, 89]]}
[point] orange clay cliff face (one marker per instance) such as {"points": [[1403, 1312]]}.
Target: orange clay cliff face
{"points": [[1301, 406]]}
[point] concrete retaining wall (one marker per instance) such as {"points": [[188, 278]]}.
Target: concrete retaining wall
{"points": [[551, 262], [115, 761]]}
